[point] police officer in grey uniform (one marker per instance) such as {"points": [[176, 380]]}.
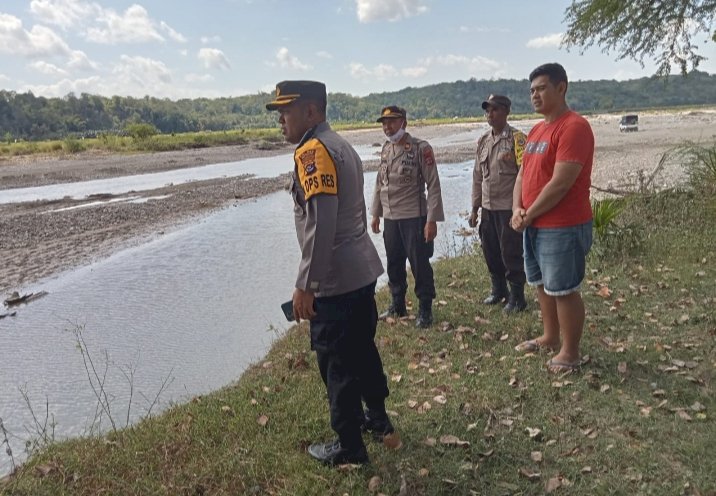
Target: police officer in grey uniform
{"points": [[335, 287], [407, 169], [497, 162]]}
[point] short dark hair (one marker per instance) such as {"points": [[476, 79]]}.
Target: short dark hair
{"points": [[554, 71]]}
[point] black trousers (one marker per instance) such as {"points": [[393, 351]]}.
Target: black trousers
{"points": [[342, 335], [405, 239], [502, 246]]}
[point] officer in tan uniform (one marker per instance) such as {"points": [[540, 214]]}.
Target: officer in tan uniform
{"points": [[407, 169], [335, 287], [498, 159]]}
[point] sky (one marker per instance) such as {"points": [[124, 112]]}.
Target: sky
{"points": [[221, 48]]}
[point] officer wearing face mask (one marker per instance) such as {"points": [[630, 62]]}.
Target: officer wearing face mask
{"points": [[407, 171]]}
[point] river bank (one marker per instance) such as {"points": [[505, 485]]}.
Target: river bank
{"points": [[475, 416], [45, 237]]}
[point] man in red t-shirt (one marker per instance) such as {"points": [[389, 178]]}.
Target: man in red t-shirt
{"points": [[551, 207]]}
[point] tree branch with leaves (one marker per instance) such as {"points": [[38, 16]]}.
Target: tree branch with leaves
{"points": [[637, 29]]}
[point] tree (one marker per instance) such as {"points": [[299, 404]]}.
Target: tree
{"points": [[660, 29]]}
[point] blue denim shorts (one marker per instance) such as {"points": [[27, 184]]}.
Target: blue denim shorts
{"points": [[555, 257]]}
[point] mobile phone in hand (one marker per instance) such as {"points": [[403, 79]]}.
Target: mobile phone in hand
{"points": [[287, 309]]}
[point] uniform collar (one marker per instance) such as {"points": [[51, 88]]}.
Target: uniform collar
{"points": [[320, 127]]}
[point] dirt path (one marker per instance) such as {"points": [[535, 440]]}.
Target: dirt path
{"points": [[40, 239]]}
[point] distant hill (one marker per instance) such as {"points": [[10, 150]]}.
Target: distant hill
{"points": [[30, 117]]}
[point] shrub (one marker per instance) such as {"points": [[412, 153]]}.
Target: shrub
{"points": [[141, 131], [72, 145], [604, 212], [612, 239], [701, 166]]}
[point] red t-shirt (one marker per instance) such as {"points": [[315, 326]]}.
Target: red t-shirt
{"points": [[568, 139]]}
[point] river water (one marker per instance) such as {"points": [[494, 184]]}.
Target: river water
{"points": [[191, 309]]}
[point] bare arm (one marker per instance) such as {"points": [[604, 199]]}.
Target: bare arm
{"points": [[518, 213]]}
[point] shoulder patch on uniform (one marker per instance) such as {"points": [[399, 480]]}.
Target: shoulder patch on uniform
{"points": [[316, 169], [428, 156], [520, 142]]}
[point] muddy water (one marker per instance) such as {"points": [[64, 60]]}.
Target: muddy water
{"points": [[193, 308]]}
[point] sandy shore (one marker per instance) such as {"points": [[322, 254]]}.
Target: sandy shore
{"points": [[39, 239]]}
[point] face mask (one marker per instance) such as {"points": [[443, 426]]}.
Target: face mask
{"points": [[397, 136]]}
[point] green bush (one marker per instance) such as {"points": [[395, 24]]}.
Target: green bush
{"points": [[701, 166], [612, 239], [72, 145], [604, 212], [141, 131]]}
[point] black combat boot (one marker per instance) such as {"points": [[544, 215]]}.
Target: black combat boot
{"points": [[498, 292], [333, 453], [396, 308], [516, 300], [425, 314], [377, 424]]}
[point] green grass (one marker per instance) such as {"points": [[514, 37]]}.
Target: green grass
{"points": [[629, 423], [155, 143]]}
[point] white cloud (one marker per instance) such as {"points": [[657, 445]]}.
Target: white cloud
{"points": [[134, 26], [80, 61], [40, 41], [198, 78], [213, 58], [64, 13], [324, 55], [388, 10], [414, 71], [141, 75], [174, 35], [476, 66], [47, 68], [205, 40], [380, 72], [65, 86], [287, 60], [548, 41], [3, 77], [467, 66]]}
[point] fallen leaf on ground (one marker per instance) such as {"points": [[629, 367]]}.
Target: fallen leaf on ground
{"points": [[553, 484], [374, 484], [535, 433], [536, 456], [586, 470], [423, 472], [530, 474], [604, 388], [392, 441], [440, 399], [450, 440], [425, 407], [227, 410], [683, 415], [622, 368], [697, 407], [604, 292], [430, 441], [262, 420]]}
